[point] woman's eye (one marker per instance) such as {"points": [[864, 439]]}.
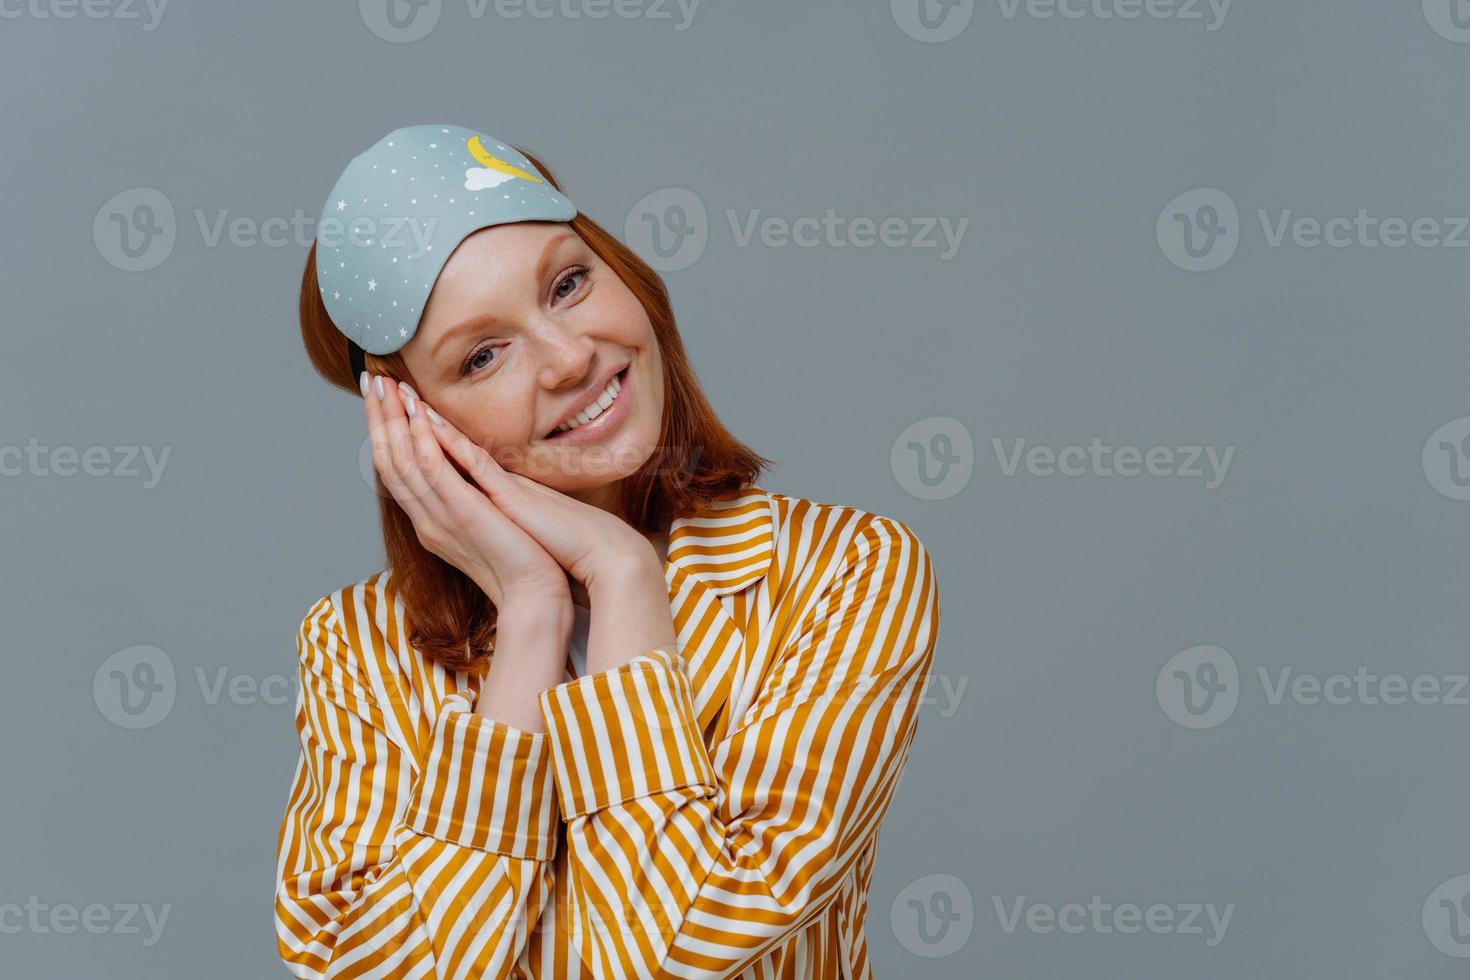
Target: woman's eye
{"points": [[568, 283], [479, 360]]}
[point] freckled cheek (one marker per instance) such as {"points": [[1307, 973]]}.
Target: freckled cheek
{"points": [[493, 440], [495, 426], [653, 401]]}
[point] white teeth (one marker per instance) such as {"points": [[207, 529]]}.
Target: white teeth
{"points": [[595, 409]]}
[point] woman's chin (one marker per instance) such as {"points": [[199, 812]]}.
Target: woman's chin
{"points": [[585, 467]]}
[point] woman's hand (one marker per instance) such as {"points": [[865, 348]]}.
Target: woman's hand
{"points": [[589, 543], [617, 565], [452, 518]]}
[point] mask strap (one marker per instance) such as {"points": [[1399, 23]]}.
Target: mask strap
{"points": [[357, 358]]}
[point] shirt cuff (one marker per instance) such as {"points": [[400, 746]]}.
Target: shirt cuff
{"points": [[625, 733], [485, 785]]}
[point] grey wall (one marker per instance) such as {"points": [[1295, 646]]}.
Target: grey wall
{"points": [[1137, 266]]}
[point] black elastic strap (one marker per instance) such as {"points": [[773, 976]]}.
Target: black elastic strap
{"points": [[357, 357]]}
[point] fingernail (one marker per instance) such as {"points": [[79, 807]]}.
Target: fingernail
{"points": [[403, 387], [408, 405], [362, 382], [378, 384], [433, 416]]}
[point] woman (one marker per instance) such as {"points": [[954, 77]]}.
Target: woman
{"points": [[701, 694]]}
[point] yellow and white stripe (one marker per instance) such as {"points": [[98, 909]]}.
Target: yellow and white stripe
{"points": [[708, 811]]}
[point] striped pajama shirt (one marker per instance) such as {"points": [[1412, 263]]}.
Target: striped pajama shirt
{"points": [[706, 810]]}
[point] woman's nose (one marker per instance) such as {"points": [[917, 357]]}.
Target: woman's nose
{"points": [[566, 355]]}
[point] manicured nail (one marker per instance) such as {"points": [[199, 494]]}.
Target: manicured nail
{"points": [[378, 384], [408, 405], [403, 387], [433, 416], [362, 382]]}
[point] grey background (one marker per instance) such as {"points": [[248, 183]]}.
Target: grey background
{"points": [[1059, 776]]}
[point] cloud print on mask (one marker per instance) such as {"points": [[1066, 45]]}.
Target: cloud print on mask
{"points": [[492, 171], [480, 179]]}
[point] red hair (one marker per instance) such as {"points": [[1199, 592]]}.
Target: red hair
{"points": [[450, 618]]}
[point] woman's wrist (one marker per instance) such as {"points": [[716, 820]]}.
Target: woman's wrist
{"points": [[630, 567], [529, 657], [630, 616]]}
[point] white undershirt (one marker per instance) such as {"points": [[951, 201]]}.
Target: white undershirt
{"points": [[581, 621]]}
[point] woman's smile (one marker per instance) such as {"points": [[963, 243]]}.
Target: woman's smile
{"points": [[610, 407]]}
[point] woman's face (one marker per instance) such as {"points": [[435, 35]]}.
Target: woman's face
{"points": [[525, 326]]}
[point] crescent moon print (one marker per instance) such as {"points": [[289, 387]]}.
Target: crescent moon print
{"points": [[492, 171]]}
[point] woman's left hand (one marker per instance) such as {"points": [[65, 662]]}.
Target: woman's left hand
{"points": [[590, 543]]}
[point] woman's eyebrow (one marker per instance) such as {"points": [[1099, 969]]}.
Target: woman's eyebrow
{"points": [[473, 322], [549, 249], [486, 318]]}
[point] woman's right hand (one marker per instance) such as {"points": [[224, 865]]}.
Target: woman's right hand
{"points": [[453, 518]]}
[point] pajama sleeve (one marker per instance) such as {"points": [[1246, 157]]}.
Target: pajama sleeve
{"points": [[686, 862], [401, 862]]}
